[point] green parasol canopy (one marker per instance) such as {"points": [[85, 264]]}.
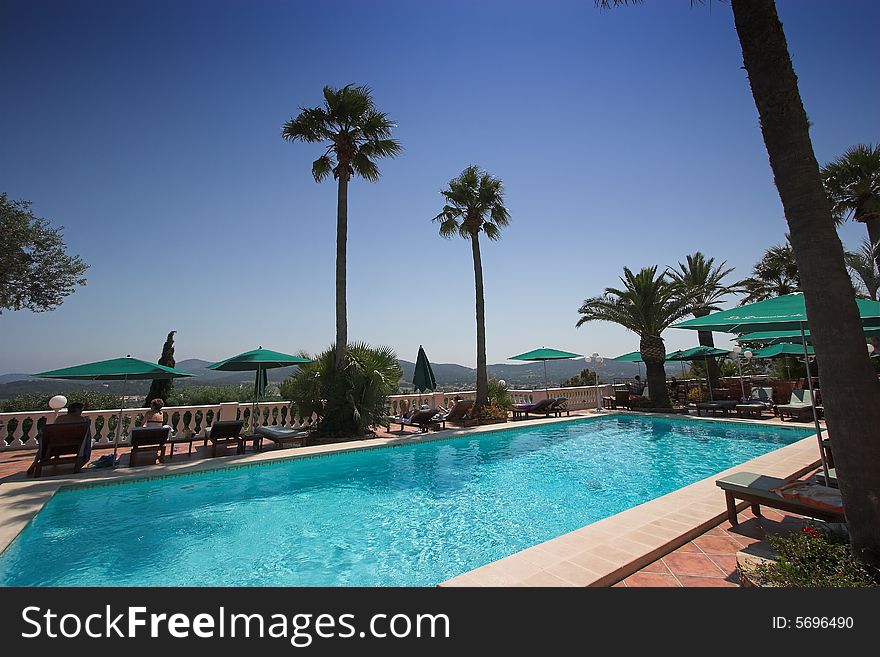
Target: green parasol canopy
{"points": [[544, 354], [115, 369], [696, 353], [423, 376], [257, 359], [782, 349], [775, 337], [631, 357], [778, 314]]}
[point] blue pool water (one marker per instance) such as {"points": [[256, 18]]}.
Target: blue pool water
{"points": [[411, 515]]}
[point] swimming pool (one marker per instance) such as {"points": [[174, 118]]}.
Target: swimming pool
{"points": [[414, 515]]}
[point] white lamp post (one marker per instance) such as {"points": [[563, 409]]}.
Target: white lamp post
{"points": [[734, 354], [57, 403]]}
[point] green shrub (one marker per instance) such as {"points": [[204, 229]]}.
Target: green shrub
{"points": [[499, 395], [203, 395], [93, 401], [349, 401], [814, 558], [491, 414]]}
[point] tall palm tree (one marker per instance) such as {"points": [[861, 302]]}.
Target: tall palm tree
{"points": [[646, 305], [850, 389], [358, 134], [474, 203], [864, 272], [699, 280], [775, 274], [852, 183]]}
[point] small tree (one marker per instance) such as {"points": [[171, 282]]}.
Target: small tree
{"points": [[36, 272], [161, 388]]}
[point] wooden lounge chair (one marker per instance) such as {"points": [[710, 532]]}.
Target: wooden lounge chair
{"points": [[457, 413], [152, 439], [621, 398], [60, 444], [755, 489], [226, 432], [560, 406], [799, 407], [423, 419], [750, 409], [282, 436], [542, 407]]}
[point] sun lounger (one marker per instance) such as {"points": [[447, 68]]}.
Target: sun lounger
{"points": [[750, 409], [61, 443], [757, 491], [457, 413], [560, 406], [832, 478], [799, 407], [723, 406], [621, 398], [225, 432], [281, 436], [542, 407], [423, 419], [153, 438]]}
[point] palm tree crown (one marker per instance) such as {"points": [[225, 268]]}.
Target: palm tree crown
{"points": [[700, 280], [474, 203], [866, 280], [774, 275], [852, 183], [358, 133], [646, 305]]}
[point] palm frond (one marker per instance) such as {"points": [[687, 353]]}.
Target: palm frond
{"points": [[322, 167]]}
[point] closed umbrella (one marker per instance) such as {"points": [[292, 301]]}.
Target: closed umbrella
{"points": [[115, 369], [258, 361], [423, 375], [543, 354]]}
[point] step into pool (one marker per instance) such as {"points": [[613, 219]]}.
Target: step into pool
{"points": [[413, 515]]}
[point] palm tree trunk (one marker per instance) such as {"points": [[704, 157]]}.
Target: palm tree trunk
{"points": [[341, 254], [873, 226], [706, 340], [653, 352], [850, 389], [482, 375]]}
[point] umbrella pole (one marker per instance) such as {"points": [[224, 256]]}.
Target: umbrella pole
{"points": [[257, 382], [546, 385], [742, 386], [708, 379], [119, 422], [815, 412]]}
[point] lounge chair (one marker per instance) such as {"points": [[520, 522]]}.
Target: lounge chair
{"points": [[723, 406], [560, 406], [832, 478], [61, 444], [799, 407], [457, 413], [281, 436], [154, 438], [423, 419], [757, 491], [542, 407], [226, 432], [621, 398]]}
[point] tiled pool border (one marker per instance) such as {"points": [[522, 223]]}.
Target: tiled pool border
{"points": [[21, 500]]}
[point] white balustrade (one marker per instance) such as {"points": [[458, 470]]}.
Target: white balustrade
{"points": [[19, 430]]}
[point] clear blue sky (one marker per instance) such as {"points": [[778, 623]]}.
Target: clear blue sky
{"points": [[629, 137]]}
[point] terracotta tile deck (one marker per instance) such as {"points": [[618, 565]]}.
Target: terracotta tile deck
{"points": [[710, 559]]}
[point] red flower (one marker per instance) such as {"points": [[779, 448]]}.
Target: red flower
{"points": [[810, 531]]}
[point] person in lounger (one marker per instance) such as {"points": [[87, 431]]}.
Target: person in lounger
{"points": [[74, 414], [154, 417]]}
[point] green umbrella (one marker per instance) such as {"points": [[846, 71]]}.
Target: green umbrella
{"points": [[631, 357], [115, 369], [423, 375], [776, 337], [698, 353], [782, 349], [257, 361], [778, 314], [787, 312], [543, 354]]}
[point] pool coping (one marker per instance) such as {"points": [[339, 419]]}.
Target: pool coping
{"points": [[546, 564]]}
